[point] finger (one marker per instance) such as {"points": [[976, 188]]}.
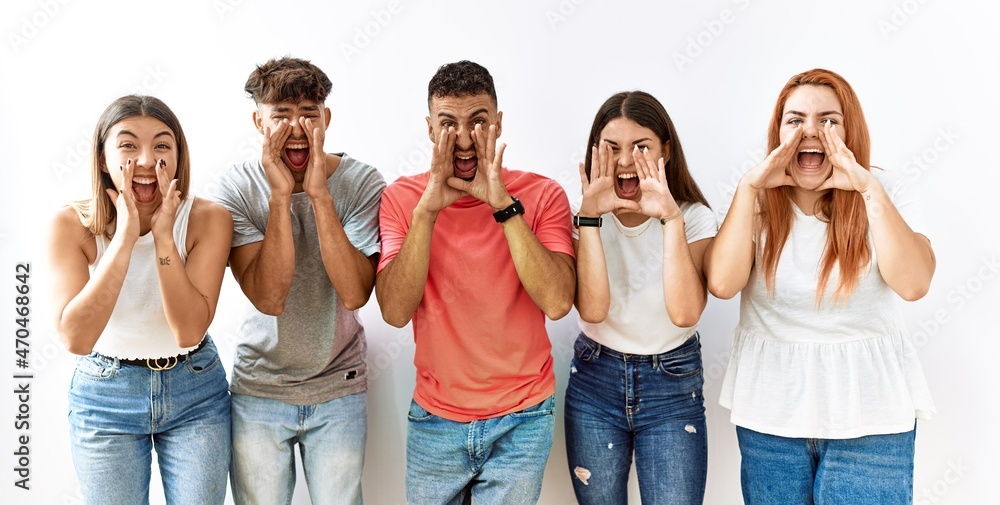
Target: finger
{"points": [[661, 170], [597, 162], [479, 143], [584, 183], [607, 169], [172, 191], [449, 149], [162, 180], [491, 147], [639, 160], [459, 184], [628, 205], [112, 194], [498, 157], [127, 177]]}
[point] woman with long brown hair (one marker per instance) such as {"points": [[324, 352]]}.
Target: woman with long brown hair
{"points": [[635, 388], [823, 385]]}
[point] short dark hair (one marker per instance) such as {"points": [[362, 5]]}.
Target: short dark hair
{"points": [[459, 79], [288, 79]]}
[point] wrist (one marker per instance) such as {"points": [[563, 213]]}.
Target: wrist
{"points": [[511, 210], [672, 217], [503, 203]]}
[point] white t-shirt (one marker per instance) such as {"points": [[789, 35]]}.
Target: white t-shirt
{"points": [[637, 321], [843, 370]]}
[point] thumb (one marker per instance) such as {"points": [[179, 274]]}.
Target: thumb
{"points": [[112, 193], [629, 205], [459, 184]]}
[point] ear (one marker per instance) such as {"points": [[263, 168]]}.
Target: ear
{"points": [[326, 115], [499, 123], [430, 131], [666, 152], [258, 121]]}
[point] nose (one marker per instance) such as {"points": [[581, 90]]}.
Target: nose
{"points": [[146, 157], [625, 158], [463, 139], [810, 129], [297, 130]]}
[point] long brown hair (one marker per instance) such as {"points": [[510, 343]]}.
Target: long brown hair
{"points": [[646, 111], [98, 213], [847, 234]]}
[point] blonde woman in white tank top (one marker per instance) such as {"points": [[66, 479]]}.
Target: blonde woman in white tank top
{"points": [[137, 270]]}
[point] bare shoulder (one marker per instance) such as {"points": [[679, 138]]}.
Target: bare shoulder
{"points": [[66, 230], [209, 220]]}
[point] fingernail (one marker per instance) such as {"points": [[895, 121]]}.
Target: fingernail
{"points": [[162, 163]]}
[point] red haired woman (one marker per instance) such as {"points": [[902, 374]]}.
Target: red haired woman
{"points": [[823, 385]]}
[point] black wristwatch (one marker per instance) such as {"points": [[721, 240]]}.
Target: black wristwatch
{"points": [[510, 211], [587, 221]]}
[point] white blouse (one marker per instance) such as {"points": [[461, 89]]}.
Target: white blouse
{"points": [[842, 370]]}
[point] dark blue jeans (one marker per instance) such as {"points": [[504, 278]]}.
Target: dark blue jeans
{"points": [[620, 404]]}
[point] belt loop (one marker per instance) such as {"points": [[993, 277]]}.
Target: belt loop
{"points": [[656, 361], [597, 349]]}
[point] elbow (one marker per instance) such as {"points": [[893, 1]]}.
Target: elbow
{"points": [[914, 293], [592, 315], [356, 302], [271, 308], [76, 345], [559, 309], [395, 320], [684, 319], [720, 290]]}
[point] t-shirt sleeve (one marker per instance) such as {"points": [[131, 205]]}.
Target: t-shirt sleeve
{"points": [[905, 199], [553, 220], [361, 223], [392, 224], [230, 197], [699, 222]]}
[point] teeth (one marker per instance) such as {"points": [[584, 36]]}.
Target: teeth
{"points": [[143, 180], [811, 151], [297, 146], [469, 157], [627, 176]]}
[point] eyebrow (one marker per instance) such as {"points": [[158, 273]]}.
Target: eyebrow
{"points": [[474, 114], [167, 133], [645, 139], [285, 108], [825, 113]]}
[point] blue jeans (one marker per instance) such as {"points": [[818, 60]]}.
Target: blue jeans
{"points": [[876, 469], [119, 414], [331, 438], [495, 461], [619, 404]]}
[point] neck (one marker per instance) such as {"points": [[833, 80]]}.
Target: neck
{"points": [[631, 219], [806, 200]]}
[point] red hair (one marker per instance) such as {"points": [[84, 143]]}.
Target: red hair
{"points": [[847, 243]]}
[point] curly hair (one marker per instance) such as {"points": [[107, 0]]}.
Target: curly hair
{"points": [[288, 79], [460, 79]]}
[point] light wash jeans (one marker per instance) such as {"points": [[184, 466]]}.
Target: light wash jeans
{"points": [[119, 414], [331, 438], [872, 470], [651, 406], [496, 461]]}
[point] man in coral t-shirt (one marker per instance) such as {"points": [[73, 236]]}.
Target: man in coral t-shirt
{"points": [[477, 256]]}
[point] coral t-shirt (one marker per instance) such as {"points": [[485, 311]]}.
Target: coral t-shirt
{"points": [[481, 346]]}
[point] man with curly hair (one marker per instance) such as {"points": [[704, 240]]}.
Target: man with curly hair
{"points": [[304, 251], [477, 256]]}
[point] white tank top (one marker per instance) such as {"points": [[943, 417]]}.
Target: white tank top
{"points": [[138, 326]]}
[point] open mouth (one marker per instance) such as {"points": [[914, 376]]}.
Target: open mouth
{"points": [[628, 185], [811, 159], [144, 189], [465, 167], [297, 155]]}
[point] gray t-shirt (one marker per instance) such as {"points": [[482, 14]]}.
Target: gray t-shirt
{"points": [[315, 350]]}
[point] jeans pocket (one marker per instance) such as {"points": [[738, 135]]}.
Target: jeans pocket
{"points": [[584, 349], [682, 366], [203, 361], [94, 367], [545, 408], [417, 413]]}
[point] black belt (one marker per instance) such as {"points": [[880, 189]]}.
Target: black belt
{"points": [[163, 363]]}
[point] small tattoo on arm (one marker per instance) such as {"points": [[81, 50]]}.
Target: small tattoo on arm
{"points": [[165, 260]]}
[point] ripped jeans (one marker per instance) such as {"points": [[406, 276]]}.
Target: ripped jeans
{"points": [[618, 404]]}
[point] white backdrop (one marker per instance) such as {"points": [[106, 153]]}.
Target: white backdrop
{"points": [[926, 72]]}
